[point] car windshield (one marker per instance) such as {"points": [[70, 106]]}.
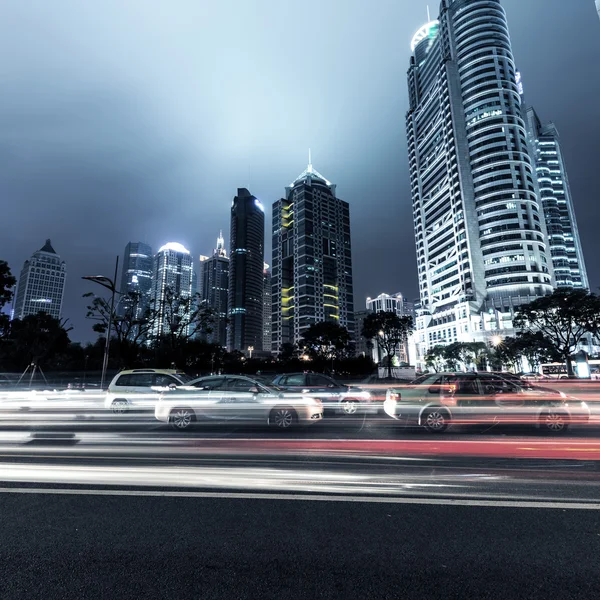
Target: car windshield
{"points": [[184, 377]]}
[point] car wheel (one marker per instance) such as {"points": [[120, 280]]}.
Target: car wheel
{"points": [[182, 418], [283, 417], [349, 406], [554, 421], [119, 407], [435, 420]]}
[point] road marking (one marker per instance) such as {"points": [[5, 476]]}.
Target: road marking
{"points": [[555, 505]]}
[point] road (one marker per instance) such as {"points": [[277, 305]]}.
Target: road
{"points": [[97, 541], [99, 507]]}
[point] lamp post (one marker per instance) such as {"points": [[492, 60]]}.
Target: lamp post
{"points": [[250, 350], [109, 284]]}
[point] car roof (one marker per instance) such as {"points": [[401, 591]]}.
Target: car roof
{"points": [[158, 371]]}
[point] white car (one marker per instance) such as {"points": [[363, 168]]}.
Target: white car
{"points": [[138, 389], [230, 398]]}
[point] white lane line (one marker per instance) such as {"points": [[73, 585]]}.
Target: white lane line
{"points": [[310, 498]]}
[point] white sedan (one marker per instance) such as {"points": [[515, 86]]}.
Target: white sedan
{"points": [[235, 399]]}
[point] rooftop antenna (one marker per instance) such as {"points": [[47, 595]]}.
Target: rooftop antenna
{"points": [[309, 161], [428, 15]]}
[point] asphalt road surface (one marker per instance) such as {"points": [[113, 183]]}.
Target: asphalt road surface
{"points": [[80, 546]]}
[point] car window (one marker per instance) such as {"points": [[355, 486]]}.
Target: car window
{"points": [[320, 381], [240, 385], [209, 383], [164, 380], [297, 379], [500, 385], [140, 379], [462, 385], [123, 380]]}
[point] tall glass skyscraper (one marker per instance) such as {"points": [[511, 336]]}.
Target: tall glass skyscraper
{"points": [[41, 285], [267, 310], [557, 203], [171, 286], [480, 231], [246, 265], [213, 289], [312, 259], [136, 277]]}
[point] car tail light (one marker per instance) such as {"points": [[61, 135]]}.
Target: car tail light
{"points": [[395, 395]]}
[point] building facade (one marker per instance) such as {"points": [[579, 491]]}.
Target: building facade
{"points": [[396, 303], [480, 230], [246, 266], [557, 203], [361, 344], [312, 259], [41, 285], [171, 292], [213, 289], [267, 310], [136, 278]]}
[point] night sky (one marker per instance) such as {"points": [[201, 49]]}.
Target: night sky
{"points": [[139, 120]]}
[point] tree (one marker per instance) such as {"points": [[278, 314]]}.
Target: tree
{"points": [[436, 358], [390, 331], [563, 318], [183, 318], [479, 353], [535, 348], [7, 283], [131, 325], [326, 341], [37, 338]]}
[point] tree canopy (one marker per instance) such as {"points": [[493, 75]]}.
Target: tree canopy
{"points": [[390, 331]]}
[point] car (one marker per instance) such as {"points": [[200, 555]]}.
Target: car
{"points": [[135, 389], [439, 399], [337, 397], [235, 399]]}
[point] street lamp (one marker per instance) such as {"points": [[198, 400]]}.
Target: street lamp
{"points": [[109, 284], [496, 340], [250, 350]]}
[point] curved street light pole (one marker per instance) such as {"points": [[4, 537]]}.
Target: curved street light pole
{"points": [[109, 284]]}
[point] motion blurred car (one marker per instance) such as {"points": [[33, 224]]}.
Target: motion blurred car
{"points": [[136, 389], [336, 397], [235, 399], [440, 399]]}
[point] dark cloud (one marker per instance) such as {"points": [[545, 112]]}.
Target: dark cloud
{"points": [[139, 120]]}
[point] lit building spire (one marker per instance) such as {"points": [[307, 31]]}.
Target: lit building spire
{"points": [[220, 249]]}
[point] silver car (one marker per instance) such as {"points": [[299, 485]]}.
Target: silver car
{"points": [[435, 401], [235, 399]]}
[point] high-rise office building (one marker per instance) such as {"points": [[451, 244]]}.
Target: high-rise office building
{"points": [[361, 344], [312, 259], [480, 230], [171, 290], [598, 7], [246, 265], [396, 303], [267, 310], [213, 289], [136, 278], [41, 285], [557, 203]]}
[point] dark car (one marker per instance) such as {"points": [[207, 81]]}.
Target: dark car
{"points": [[440, 399], [336, 397]]}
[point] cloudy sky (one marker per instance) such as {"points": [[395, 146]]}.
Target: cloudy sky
{"points": [[138, 119]]}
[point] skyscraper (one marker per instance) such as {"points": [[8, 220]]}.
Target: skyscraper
{"points": [[246, 264], [480, 231], [213, 289], [136, 277], [598, 7], [171, 286], [41, 285], [312, 259], [557, 203], [267, 309]]}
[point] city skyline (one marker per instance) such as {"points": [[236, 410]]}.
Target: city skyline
{"points": [[372, 171]]}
